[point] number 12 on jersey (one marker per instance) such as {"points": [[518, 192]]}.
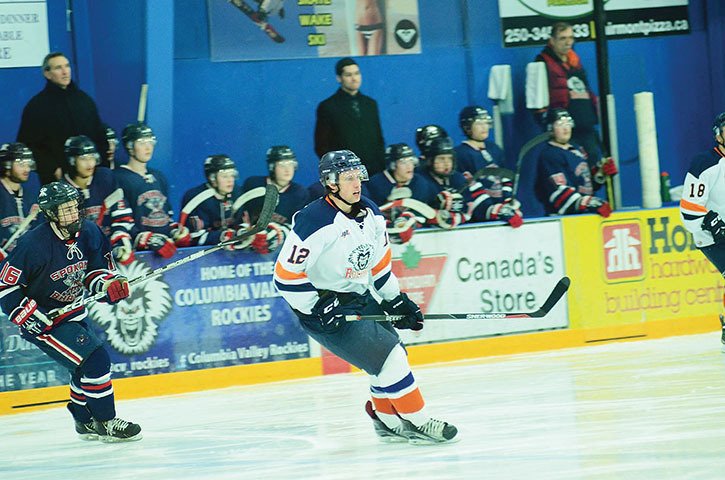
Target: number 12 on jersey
{"points": [[298, 257]]}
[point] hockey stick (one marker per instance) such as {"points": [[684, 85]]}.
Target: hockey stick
{"points": [[559, 290], [247, 196], [528, 146], [270, 203], [23, 226]]}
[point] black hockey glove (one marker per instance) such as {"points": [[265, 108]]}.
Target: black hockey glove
{"points": [[402, 305], [329, 312], [714, 224]]}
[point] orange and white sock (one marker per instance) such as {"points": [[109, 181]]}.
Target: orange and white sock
{"points": [[396, 384]]}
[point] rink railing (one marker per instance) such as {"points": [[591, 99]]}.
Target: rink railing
{"points": [[219, 322]]}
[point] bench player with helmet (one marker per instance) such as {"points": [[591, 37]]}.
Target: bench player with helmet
{"points": [[146, 192], [17, 205], [102, 199], [207, 208], [337, 253], [566, 181], [392, 188], [281, 165], [481, 162], [439, 169], [49, 269]]}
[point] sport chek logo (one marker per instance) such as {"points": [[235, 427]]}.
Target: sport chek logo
{"points": [[622, 244], [418, 276]]}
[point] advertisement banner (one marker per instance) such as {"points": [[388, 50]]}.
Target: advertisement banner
{"points": [[528, 22], [279, 29], [636, 267], [220, 310], [23, 33], [482, 269]]}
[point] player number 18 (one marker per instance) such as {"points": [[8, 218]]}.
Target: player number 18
{"points": [[700, 190]]}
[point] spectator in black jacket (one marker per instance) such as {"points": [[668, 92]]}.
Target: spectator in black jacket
{"points": [[61, 110], [349, 120]]}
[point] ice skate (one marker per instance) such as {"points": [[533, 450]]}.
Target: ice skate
{"points": [[86, 431], [385, 434], [117, 430], [722, 334], [431, 432]]}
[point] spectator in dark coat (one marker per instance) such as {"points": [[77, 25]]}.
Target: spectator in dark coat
{"points": [[61, 110], [349, 120]]}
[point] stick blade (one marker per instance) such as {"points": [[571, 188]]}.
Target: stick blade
{"points": [[559, 290], [271, 197]]}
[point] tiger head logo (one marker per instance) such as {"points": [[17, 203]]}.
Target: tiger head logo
{"points": [[132, 324]]}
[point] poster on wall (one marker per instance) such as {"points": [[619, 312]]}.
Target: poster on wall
{"points": [[528, 22], [23, 33], [282, 29], [220, 310]]}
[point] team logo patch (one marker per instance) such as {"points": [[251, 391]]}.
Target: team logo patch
{"points": [[132, 324], [361, 257], [622, 250], [82, 339]]}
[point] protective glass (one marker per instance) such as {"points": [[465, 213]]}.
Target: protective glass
{"points": [[228, 173], [350, 176], [564, 122], [286, 163], [147, 141], [408, 161], [25, 162]]}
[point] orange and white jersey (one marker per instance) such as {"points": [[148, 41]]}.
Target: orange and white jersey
{"points": [[704, 190], [329, 250]]}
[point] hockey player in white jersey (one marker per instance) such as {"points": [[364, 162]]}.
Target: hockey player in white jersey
{"points": [[703, 201], [337, 252]]}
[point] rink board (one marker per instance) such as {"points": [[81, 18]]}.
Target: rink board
{"points": [[216, 322]]}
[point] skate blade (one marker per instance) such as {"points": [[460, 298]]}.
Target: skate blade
{"points": [[392, 439], [429, 441], [88, 437], [109, 439]]}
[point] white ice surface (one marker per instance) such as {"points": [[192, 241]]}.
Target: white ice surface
{"points": [[642, 410]]}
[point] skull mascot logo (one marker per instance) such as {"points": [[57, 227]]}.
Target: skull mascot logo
{"points": [[131, 324]]}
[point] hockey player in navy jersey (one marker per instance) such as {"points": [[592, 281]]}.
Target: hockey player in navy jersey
{"points": [[146, 193], [16, 202], [491, 193], [337, 252], [476, 152], [103, 201], [49, 269], [282, 165], [399, 182], [400, 173], [207, 208], [566, 181], [439, 168]]}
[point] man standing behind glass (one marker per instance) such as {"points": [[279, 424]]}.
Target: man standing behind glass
{"points": [[349, 120], [61, 110], [569, 88]]}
